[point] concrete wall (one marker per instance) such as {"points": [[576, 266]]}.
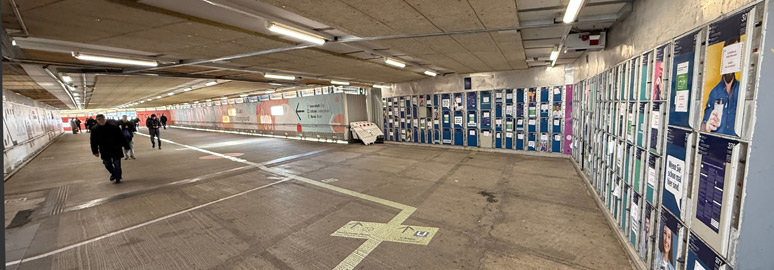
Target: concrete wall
{"points": [[651, 23], [533, 77], [28, 126]]}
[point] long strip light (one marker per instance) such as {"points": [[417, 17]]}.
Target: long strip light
{"points": [[295, 33], [67, 79], [381, 86], [430, 73], [279, 77], [171, 93], [339, 82], [554, 55], [211, 83], [396, 63], [115, 60], [572, 11]]}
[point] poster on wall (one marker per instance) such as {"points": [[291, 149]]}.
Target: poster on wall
{"points": [[676, 170], [646, 231], [568, 119], [658, 92], [701, 257], [669, 230], [644, 73], [684, 56], [725, 60], [714, 189]]}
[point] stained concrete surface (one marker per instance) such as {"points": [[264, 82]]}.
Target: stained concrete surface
{"points": [[493, 210]]}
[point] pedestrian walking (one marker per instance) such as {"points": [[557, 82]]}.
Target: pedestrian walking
{"points": [[163, 121], [128, 128], [73, 126], [90, 123], [153, 125], [78, 124], [106, 142]]}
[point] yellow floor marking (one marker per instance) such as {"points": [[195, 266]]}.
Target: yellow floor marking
{"points": [[376, 238], [407, 234]]}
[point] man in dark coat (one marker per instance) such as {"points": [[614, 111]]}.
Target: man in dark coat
{"points": [[163, 121], [107, 141], [153, 126], [90, 123]]}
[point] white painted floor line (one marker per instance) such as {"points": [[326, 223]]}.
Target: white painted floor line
{"points": [[65, 248], [350, 262], [354, 258]]}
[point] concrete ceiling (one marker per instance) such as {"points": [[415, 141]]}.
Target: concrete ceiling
{"points": [[456, 36], [16, 80]]}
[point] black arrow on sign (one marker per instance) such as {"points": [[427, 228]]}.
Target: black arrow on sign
{"points": [[406, 228], [355, 224], [298, 111]]}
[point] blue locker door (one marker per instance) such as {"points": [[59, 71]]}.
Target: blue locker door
{"points": [[416, 134], [437, 137], [544, 124], [429, 136], [556, 143], [473, 137], [498, 140], [421, 136], [508, 140], [447, 136], [459, 137], [557, 125], [531, 142], [520, 141]]}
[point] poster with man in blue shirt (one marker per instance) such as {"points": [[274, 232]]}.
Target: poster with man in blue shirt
{"points": [[720, 108], [724, 66]]}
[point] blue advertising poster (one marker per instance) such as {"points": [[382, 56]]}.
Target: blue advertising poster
{"points": [[471, 101], [682, 80], [667, 241], [701, 257], [715, 154], [676, 171]]}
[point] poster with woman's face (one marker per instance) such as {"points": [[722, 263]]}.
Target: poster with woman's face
{"points": [[669, 230], [724, 67]]}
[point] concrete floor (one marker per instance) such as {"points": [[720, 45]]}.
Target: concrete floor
{"points": [[492, 210]]}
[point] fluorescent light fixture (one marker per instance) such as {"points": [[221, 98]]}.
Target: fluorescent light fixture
{"points": [[430, 73], [279, 77], [548, 68], [269, 91], [196, 102], [208, 100], [171, 93], [554, 55], [295, 33], [396, 63], [187, 89], [572, 11], [76, 94], [339, 82], [277, 84], [67, 79], [381, 86], [150, 99], [211, 83], [114, 60], [13, 42], [158, 97], [224, 98], [243, 95]]}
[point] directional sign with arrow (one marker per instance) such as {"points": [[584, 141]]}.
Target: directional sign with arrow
{"points": [[298, 111]]}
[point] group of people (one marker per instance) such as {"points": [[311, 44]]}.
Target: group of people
{"points": [[113, 140]]}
